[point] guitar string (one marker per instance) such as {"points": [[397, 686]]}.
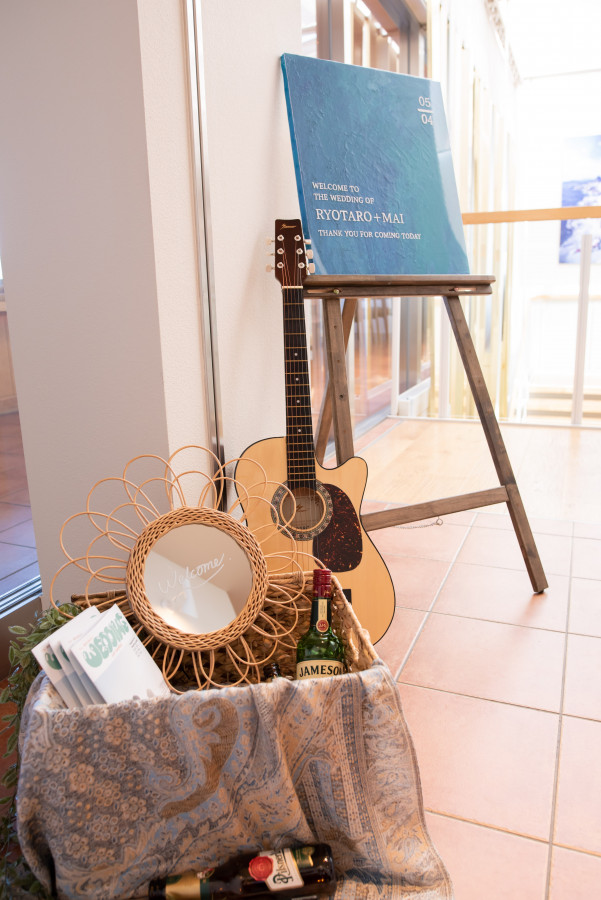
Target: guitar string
{"points": [[285, 281], [297, 389], [292, 449], [300, 453]]}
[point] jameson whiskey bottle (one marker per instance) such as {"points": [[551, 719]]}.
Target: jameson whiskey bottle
{"points": [[287, 873], [320, 651]]}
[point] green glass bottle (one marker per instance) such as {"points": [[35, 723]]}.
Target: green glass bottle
{"points": [[320, 652], [288, 873], [271, 671]]}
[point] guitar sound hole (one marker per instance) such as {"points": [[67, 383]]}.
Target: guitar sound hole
{"points": [[310, 510], [312, 515]]}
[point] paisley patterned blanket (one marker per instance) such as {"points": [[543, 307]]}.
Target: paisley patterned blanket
{"points": [[112, 796]]}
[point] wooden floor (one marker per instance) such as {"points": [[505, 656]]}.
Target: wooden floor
{"points": [[557, 469]]}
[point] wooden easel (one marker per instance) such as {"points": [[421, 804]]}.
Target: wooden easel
{"points": [[336, 406]]}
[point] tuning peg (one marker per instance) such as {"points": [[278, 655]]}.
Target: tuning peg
{"points": [[309, 254], [269, 241], [269, 268], [269, 254], [307, 241], [311, 269]]}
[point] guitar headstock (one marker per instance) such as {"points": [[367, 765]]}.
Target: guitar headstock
{"points": [[291, 267]]}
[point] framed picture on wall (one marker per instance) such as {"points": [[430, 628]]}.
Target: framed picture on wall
{"points": [[581, 186]]}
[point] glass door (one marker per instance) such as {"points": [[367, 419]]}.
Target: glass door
{"points": [[19, 572]]}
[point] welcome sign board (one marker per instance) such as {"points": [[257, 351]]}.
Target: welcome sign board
{"points": [[374, 172]]}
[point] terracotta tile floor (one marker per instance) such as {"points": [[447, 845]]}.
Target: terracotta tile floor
{"points": [[502, 692]]}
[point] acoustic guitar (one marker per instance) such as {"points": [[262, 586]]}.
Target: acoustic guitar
{"points": [[320, 509]]}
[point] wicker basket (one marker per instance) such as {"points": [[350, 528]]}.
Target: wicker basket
{"points": [[285, 617]]}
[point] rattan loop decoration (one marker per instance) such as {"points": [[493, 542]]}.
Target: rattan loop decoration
{"points": [[135, 578], [125, 515]]}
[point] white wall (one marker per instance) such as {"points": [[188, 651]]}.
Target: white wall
{"points": [[97, 236], [471, 22], [176, 267], [77, 251], [251, 179], [466, 49]]}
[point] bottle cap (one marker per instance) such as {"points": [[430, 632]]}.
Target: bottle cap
{"points": [[322, 582]]}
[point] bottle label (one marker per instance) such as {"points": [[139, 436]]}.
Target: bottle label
{"points": [[278, 869], [322, 614], [188, 886], [319, 668]]}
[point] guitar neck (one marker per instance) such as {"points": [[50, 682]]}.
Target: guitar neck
{"points": [[300, 453]]}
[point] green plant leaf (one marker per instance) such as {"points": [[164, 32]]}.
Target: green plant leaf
{"points": [[16, 879], [18, 629], [11, 777]]}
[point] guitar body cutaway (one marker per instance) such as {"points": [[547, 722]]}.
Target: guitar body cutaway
{"points": [[336, 537]]}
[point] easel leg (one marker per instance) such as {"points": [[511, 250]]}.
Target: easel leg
{"points": [[495, 441], [338, 385], [325, 414]]}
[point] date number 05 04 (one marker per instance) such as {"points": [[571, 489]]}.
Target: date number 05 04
{"points": [[425, 110]]}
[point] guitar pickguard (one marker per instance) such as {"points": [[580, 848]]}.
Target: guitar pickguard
{"points": [[325, 515], [340, 544]]}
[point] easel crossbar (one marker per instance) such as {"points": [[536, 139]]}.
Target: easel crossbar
{"points": [[336, 286], [402, 515]]}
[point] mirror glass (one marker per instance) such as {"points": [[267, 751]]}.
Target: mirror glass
{"points": [[197, 578]]}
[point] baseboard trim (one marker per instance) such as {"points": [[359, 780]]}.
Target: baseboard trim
{"points": [[8, 405]]}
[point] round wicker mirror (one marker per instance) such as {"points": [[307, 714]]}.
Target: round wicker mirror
{"points": [[196, 578]]}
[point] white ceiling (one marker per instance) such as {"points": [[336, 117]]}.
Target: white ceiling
{"points": [[550, 37]]}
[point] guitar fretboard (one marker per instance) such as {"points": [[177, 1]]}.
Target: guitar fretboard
{"points": [[300, 452]]}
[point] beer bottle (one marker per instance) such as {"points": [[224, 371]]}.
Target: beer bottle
{"points": [[292, 872], [271, 671]]}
